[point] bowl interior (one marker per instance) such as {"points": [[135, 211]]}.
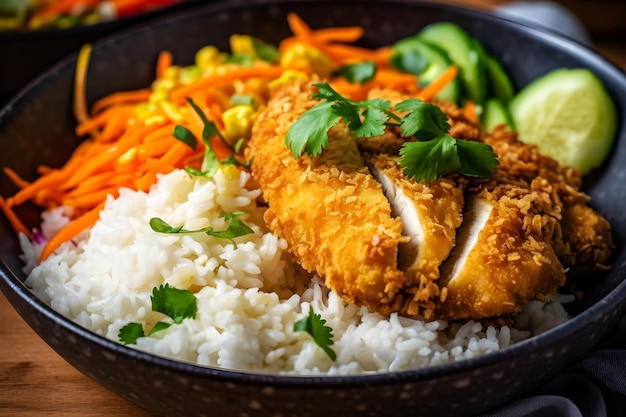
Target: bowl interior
{"points": [[36, 127]]}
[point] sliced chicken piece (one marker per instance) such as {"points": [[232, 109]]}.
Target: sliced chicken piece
{"points": [[589, 239], [330, 210], [499, 263], [581, 237], [430, 213]]}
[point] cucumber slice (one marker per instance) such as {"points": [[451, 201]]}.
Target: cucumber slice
{"points": [[426, 61], [495, 113], [460, 48], [498, 83], [569, 115]]}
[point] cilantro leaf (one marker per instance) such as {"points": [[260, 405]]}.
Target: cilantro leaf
{"points": [[373, 123], [245, 60], [424, 120], [236, 227], [265, 51], [159, 327], [358, 73], [315, 326], [184, 135], [130, 333], [477, 158], [409, 60], [429, 160], [310, 132], [175, 303]]}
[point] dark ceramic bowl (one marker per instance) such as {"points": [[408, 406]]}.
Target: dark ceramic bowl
{"points": [[37, 125], [26, 54]]}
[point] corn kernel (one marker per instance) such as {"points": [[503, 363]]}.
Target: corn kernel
{"points": [[287, 75], [237, 123], [242, 44], [172, 111], [302, 57], [128, 156], [209, 56], [230, 172]]}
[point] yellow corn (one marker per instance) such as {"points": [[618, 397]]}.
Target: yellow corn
{"points": [[237, 123], [287, 75], [128, 156], [300, 56]]}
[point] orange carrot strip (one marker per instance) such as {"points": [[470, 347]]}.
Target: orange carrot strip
{"points": [[91, 183], [15, 222], [176, 153], [80, 80], [154, 148], [430, 91], [145, 181], [71, 230], [164, 61], [51, 180], [349, 53], [299, 27], [270, 71], [92, 199], [159, 134], [97, 122], [132, 96], [346, 34], [15, 178]]}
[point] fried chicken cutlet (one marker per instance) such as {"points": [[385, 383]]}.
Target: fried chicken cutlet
{"points": [[455, 248], [329, 209]]}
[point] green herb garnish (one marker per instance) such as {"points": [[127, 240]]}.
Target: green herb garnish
{"points": [[175, 303], [434, 154], [236, 227], [358, 73], [210, 162], [315, 326]]}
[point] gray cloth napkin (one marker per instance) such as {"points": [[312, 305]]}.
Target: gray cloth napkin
{"points": [[595, 386]]}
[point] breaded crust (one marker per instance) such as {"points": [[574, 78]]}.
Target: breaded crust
{"points": [[330, 210]]}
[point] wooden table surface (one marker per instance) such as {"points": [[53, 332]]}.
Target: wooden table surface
{"points": [[35, 381]]}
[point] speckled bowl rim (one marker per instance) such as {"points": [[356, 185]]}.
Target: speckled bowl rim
{"points": [[611, 305]]}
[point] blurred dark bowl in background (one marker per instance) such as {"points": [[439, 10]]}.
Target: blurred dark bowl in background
{"points": [[26, 54]]}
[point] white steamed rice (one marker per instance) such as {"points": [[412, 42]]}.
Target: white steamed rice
{"points": [[249, 292]]}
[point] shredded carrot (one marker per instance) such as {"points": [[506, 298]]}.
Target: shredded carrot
{"points": [[269, 72], [164, 61], [71, 230], [345, 34], [80, 79], [133, 96], [15, 222], [15, 178], [430, 91]]}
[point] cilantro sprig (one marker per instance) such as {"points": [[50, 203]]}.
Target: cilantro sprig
{"points": [[434, 154], [236, 227], [315, 326], [175, 303], [210, 161]]}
